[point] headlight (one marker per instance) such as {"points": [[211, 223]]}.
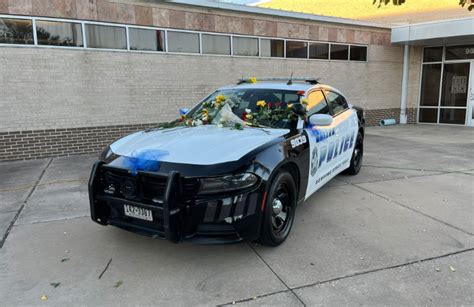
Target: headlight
{"points": [[222, 184]]}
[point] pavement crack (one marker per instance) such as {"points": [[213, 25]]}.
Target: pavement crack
{"points": [[274, 273], [412, 209], [384, 268], [105, 269], [7, 232], [351, 275]]}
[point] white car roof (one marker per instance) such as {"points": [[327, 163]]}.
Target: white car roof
{"points": [[296, 86]]}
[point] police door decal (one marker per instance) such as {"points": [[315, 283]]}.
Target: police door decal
{"points": [[331, 149]]}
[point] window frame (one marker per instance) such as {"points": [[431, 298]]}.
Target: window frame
{"points": [[85, 46], [165, 39], [81, 24], [321, 90], [215, 34], [244, 36], [330, 105]]}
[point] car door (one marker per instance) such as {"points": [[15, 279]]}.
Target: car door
{"points": [[330, 146]]}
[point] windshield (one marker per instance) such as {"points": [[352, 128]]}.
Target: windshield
{"points": [[244, 101]]}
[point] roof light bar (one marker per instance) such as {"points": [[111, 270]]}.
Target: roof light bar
{"points": [[289, 81]]}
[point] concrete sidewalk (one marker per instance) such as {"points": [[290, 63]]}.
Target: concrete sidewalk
{"points": [[399, 233]]}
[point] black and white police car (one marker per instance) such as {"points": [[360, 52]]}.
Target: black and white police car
{"points": [[214, 184]]}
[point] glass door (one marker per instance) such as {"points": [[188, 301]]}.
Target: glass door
{"points": [[470, 103], [454, 93]]}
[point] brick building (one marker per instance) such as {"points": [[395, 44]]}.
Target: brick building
{"points": [[76, 74]]}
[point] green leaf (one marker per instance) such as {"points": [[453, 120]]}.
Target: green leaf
{"points": [[55, 284], [64, 259], [118, 284]]}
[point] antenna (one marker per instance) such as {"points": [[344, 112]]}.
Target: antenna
{"points": [[290, 82]]}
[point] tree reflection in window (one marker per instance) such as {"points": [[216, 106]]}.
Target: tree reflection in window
{"points": [[16, 31], [59, 33]]}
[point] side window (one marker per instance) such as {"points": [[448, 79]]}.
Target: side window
{"points": [[317, 103], [336, 101]]}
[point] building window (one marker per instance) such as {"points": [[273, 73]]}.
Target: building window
{"points": [[183, 42], [460, 52], [428, 115], [16, 31], [433, 54], [107, 37], [246, 46], [358, 53], [339, 52], [295, 49], [59, 33], [215, 44], [272, 48], [318, 51], [146, 39], [430, 81]]}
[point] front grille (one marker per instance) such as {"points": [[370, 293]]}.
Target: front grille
{"points": [[144, 187]]}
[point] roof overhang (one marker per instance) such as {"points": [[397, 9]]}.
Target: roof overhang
{"points": [[455, 31]]}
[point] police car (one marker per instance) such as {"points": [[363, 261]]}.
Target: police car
{"points": [[212, 183]]}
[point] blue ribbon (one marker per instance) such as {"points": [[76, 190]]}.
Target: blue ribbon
{"points": [[144, 160]]}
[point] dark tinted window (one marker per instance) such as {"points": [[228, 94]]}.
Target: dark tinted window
{"points": [[147, 39], [319, 51], [183, 42], [296, 49], [339, 52], [428, 115], [460, 52], [452, 116], [433, 54], [358, 53], [59, 33], [317, 103], [336, 101], [215, 44], [16, 31], [108, 37], [247, 46], [272, 47], [431, 78]]}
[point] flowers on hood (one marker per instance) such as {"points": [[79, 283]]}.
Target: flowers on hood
{"points": [[261, 103]]}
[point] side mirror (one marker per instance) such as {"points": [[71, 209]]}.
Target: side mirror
{"points": [[298, 109], [320, 120], [183, 111]]}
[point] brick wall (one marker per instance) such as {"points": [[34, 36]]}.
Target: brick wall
{"points": [[60, 102], [373, 117], [33, 144]]}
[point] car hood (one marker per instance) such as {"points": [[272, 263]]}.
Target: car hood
{"points": [[202, 145]]}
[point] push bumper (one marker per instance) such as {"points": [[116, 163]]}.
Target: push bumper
{"points": [[177, 214]]}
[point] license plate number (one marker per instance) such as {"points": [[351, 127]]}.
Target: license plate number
{"points": [[138, 213]]}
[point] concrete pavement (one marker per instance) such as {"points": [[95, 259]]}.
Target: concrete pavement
{"points": [[399, 233]]}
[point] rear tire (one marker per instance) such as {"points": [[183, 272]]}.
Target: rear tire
{"points": [[279, 210], [357, 156]]}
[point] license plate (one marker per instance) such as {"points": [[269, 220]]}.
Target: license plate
{"points": [[138, 213]]}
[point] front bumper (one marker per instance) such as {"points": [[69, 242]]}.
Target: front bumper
{"points": [[178, 213]]}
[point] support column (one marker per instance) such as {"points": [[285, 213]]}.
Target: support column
{"points": [[403, 100]]}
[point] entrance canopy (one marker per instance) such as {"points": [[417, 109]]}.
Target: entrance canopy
{"points": [[455, 31]]}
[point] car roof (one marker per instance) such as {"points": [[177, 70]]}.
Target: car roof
{"points": [[296, 86]]}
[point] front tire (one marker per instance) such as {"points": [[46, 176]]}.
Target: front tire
{"points": [[357, 156], [279, 211]]}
